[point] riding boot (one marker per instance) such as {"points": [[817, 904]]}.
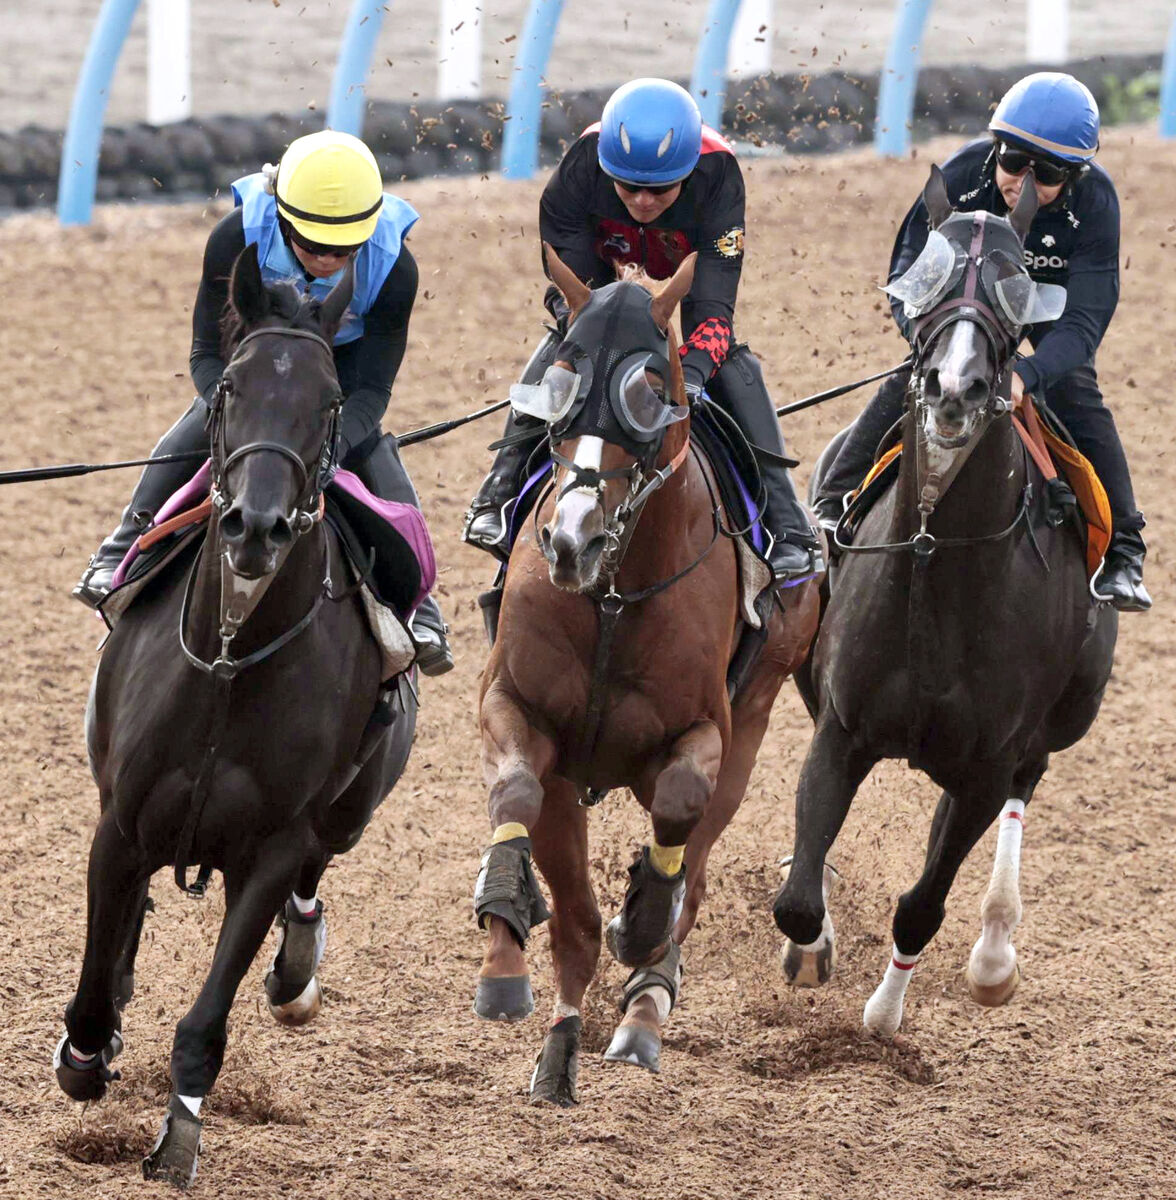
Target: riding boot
{"points": [[857, 452], [487, 520], [383, 474], [155, 486], [739, 386], [1120, 582]]}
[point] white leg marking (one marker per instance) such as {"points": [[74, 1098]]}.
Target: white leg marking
{"points": [[994, 958], [562, 1011], [883, 1013], [192, 1104]]}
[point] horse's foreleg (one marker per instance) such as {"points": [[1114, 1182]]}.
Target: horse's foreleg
{"points": [[254, 891], [291, 985], [116, 889], [993, 973], [561, 851], [833, 770], [507, 901], [920, 911]]}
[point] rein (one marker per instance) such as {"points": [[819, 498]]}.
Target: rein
{"points": [[239, 598]]}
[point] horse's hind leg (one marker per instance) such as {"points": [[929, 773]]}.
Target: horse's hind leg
{"points": [[115, 885], [961, 818], [639, 934], [560, 839], [254, 891], [993, 973], [291, 986]]}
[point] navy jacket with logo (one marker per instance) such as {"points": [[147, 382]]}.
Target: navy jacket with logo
{"points": [[581, 215], [1074, 242]]}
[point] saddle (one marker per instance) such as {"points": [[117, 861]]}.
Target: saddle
{"points": [[386, 545], [1069, 477]]}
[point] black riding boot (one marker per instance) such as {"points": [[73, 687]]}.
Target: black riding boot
{"points": [[155, 486], [858, 450], [740, 388], [487, 520], [383, 474]]}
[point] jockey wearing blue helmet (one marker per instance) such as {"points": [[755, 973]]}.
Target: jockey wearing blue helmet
{"points": [[649, 185], [1048, 122]]}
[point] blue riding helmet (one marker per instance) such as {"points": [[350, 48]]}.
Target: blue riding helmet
{"points": [[650, 133], [1050, 111]]}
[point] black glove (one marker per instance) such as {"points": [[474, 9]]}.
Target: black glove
{"points": [[694, 381]]}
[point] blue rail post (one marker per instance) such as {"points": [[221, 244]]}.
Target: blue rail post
{"points": [[896, 86], [348, 94], [83, 139], [708, 85], [524, 113], [1168, 90]]}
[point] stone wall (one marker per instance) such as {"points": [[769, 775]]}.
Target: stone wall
{"points": [[804, 113]]}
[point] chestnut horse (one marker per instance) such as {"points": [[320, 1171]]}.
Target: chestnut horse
{"points": [[619, 617]]}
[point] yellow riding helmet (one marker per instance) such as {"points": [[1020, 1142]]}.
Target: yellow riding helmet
{"points": [[329, 188]]}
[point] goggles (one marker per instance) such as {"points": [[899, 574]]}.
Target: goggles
{"points": [[642, 411], [319, 249], [551, 399], [1019, 300], [1045, 170], [654, 189], [930, 277]]}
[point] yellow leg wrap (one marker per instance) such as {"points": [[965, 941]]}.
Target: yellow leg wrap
{"points": [[512, 829], [667, 859]]}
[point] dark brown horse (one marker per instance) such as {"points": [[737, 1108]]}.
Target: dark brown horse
{"points": [[618, 621], [258, 649], [960, 632]]}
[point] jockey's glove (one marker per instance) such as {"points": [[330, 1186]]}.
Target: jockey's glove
{"points": [[692, 377]]}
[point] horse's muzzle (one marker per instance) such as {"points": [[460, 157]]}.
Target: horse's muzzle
{"points": [[254, 538], [573, 565]]}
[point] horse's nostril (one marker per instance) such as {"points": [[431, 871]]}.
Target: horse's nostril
{"points": [[931, 386], [282, 534], [233, 525], [977, 392]]}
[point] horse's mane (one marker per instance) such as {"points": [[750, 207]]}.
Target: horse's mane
{"points": [[632, 273], [285, 303]]}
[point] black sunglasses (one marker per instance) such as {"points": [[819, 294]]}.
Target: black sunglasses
{"points": [[1045, 170], [318, 248], [632, 189]]}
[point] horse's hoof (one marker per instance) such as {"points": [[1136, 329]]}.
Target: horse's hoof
{"points": [[504, 997], [811, 965], [636, 1045], [85, 1081], [554, 1078], [993, 995], [883, 1013], [302, 1009], [173, 1157]]}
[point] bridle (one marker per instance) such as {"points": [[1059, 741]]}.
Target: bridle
{"points": [[930, 485], [307, 510], [239, 598]]}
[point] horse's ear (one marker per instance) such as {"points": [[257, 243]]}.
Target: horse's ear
{"points": [[339, 297], [1026, 207], [574, 290], [247, 292], [935, 198], [674, 292]]}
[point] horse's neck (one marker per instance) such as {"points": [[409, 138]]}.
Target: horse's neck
{"points": [[982, 498], [288, 597]]}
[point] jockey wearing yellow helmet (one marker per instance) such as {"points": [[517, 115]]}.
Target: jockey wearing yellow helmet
{"points": [[321, 206]]}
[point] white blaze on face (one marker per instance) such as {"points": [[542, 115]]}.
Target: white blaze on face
{"points": [[960, 356], [574, 510]]}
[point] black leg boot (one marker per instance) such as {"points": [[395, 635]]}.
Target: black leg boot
{"points": [[487, 520], [859, 448], [739, 386], [155, 486], [383, 474], [1120, 582]]}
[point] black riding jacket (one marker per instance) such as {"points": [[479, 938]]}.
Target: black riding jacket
{"points": [[367, 366], [583, 218], [1074, 242]]}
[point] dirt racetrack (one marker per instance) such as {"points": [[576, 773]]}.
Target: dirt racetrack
{"points": [[397, 1090]]}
